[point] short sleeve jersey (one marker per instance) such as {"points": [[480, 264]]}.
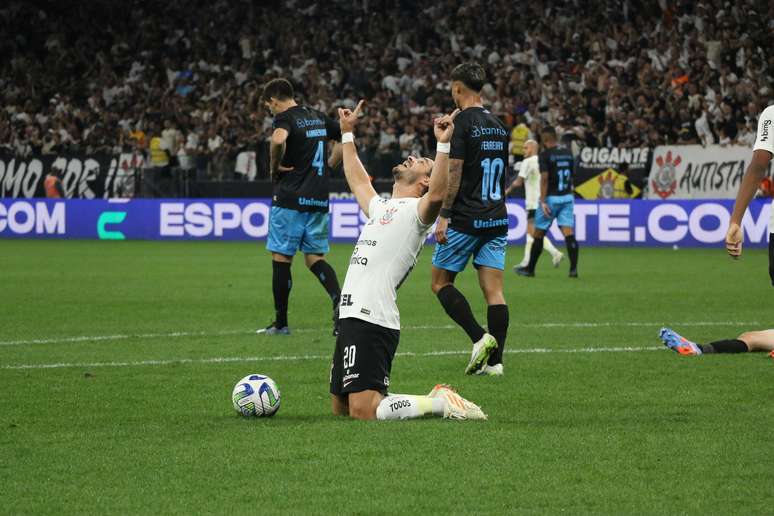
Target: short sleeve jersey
{"points": [[384, 255], [530, 172], [305, 188], [764, 139], [558, 162], [481, 141]]}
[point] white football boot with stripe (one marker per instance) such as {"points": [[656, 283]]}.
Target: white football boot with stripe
{"points": [[456, 407]]}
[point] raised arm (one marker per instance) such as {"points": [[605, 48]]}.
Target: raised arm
{"points": [[430, 203], [354, 171]]}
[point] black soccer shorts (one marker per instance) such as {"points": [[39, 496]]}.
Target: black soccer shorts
{"points": [[363, 357]]}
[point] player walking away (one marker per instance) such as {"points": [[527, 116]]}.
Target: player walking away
{"points": [[746, 342], [474, 221], [299, 212], [756, 171], [384, 255], [556, 202], [529, 177]]}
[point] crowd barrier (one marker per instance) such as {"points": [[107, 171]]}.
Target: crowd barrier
{"points": [[640, 223]]}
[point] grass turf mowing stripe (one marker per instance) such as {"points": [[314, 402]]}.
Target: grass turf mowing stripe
{"points": [[179, 334], [218, 360]]}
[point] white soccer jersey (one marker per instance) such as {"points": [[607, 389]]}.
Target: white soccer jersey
{"points": [[530, 171], [384, 255], [764, 140]]}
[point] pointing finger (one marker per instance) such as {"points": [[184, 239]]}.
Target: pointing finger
{"points": [[359, 108]]}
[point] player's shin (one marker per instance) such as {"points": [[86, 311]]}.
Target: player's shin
{"points": [[549, 246], [459, 310], [527, 249], [497, 321], [327, 277], [406, 406], [281, 283], [572, 251], [725, 346], [534, 255]]}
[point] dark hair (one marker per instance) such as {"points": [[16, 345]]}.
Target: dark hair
{"points": [[549, 132], [472, 75], [280, 89]]}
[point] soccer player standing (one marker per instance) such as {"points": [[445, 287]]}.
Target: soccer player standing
{"points": [[529, 177], [763, 150], [474, 221], [556, 202], [384, 256], [299, 212]]}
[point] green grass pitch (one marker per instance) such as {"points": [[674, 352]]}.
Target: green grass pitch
{"points": [[117, 362]]}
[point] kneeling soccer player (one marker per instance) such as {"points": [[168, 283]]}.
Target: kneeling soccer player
{"points": [[748, 341], [384, 255]]}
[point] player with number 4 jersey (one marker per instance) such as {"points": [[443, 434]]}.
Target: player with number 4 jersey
{"points": [[474, 221], [299, 211]]}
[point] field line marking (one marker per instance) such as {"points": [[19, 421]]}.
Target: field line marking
{"points": [[179, 334], [288, 358]]}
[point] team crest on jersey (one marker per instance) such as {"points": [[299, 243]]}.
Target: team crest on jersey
{"points": [[388, 216], [664, 182]]}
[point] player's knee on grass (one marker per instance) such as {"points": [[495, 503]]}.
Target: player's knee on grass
{"points": [[339, 405], [758, 340], [362, 405]]}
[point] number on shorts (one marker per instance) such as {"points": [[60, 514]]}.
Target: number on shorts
{"points": [[349, 356]]}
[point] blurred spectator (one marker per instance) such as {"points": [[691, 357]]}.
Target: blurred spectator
{"points": [[79, 77]]}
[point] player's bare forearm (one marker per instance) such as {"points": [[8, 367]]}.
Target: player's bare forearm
{"points": [[336, 155], [543, 186], [430, 203], [276, 153], [756, 171], [455, 178], [518, 182], [357, 177]]}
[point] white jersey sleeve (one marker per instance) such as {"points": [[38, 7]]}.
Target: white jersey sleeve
{"points": [[764, 140]]}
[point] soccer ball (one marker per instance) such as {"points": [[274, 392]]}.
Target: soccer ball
{"points": [[256, 395]]}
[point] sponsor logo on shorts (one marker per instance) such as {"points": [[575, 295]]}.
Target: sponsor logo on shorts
{"points": [[348, 379]]}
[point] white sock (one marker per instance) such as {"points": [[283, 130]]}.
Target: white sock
{"points": [[548, 246], [527, 248], [407, 406]]}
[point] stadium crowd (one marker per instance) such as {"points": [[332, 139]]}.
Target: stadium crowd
{"points": [[102, 76]]}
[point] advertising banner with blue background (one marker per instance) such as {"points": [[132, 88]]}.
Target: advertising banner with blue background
{"points": [[689, 223]]}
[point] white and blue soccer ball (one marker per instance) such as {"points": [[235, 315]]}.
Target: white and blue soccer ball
{"points": [[256, 395]]}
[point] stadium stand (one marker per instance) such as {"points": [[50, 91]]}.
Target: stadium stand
{"points": [[86, 77]]}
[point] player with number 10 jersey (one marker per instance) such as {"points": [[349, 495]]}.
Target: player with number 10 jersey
{"points": [[474, 220]]}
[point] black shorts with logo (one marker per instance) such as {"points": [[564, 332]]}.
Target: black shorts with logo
{"points": [[363, 357]]}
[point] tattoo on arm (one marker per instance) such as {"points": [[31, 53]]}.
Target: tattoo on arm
{"points": [[455, 178]]}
